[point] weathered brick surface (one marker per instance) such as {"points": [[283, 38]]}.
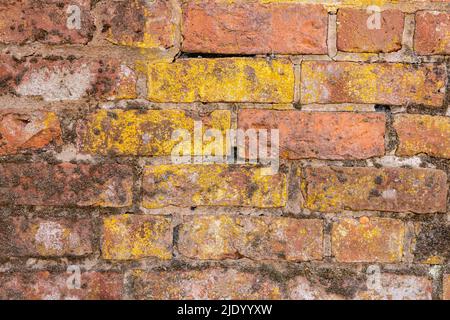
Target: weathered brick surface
{"points": [[432, 36], [321, 135], [209, 284], [332, 189], [222, 80], [431, 135], [380, 83], [431, 242], [227, 237], [246, 27], [140, 23], [59, 79], [212, 185], [446, 295], [354, 35], [368, 240], [28, 131], [45, 285], [399, 287], [143, 133], [65, 185], [45, 237], [125, 129], [127, 237], [27, 21]]}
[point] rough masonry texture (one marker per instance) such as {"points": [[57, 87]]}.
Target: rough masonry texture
{"points": [[123, 135]]}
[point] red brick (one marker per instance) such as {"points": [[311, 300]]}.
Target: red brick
{"points": [[45, 21], [57, 79], [432, 35], [368, 240], [257, 238], [300, 288], [140, 23], [207, 284], [28, 131], [353, 34], [379, 83], [45, 237], [430, 135], [44, 285], [65, 185], [446, 286], [388, 189], [244, 27], [398, 287], [321, 135]]}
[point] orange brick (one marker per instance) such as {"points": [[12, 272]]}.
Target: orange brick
{"points": [[258, 238], [207, 284], [432, 35], [322, 135], [379, 240], [28, 131], [244, 27], [45, 285], [353, 34], [24, 237], [423, 134]]}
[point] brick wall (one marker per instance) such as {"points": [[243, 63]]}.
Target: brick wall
{"points": [[92, 91]]}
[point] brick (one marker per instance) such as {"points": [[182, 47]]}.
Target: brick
{"points": [[300, 288], [432, 36], [246, 27], [23, 237], [207, 284], [140, 23], [28, 21], [222, 80], [321, 135], [59, 79], [143, 133], [44, 285], [431, 242], [446, 286], [332, 189], [257, 238], [65, 184], [368, 240], [399, 287], [28, 131], [128, 237], [379, 83], [353, 34], [430, 135], [212, 185]]}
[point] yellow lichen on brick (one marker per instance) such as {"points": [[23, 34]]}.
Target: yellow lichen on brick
{"points": [[212, 185], [332, 189], [128, 237], [431, 135], [222, 80], [134, 132], [383, 83], [378, 240]]}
